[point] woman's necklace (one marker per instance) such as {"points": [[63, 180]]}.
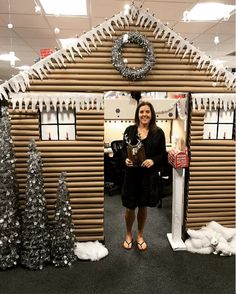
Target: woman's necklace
{"points": [[142, 132]]}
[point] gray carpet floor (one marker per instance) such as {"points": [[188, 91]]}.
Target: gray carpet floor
{"points": [[159, 270]]}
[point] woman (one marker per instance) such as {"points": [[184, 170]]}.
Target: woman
{"points": [[141, 183]]}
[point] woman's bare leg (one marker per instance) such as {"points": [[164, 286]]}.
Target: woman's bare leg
{"points": [[129, 221], [141, 217]]}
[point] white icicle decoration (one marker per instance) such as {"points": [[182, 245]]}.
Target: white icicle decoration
{"points": [[76, 48], [25, 77], [98, 38], [100, 30], [36, 70], [165, 33], [223, 101], [44, 71], [70, 49], [118, 20], [14, 84], [47, 102], [58, 58], [201, 60], [91, 37], [61, 59], [3, 92], [107, 29], [66, 54], [173, 38], [158, 30], [84, 44], [27, 101], [34, 102], [179, 47], [196, 56], [59, 99], [21, 82]]}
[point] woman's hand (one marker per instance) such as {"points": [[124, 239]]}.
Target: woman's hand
{"points": [[128, 162], [147, 163]]}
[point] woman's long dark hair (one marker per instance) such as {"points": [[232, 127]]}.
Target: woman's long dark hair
{"points": [[152, 125]]}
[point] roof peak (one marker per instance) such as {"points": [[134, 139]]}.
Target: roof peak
{"points": [[136, 15]]}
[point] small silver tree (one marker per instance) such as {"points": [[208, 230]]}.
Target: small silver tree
{"points": [[63, 239], [35, 252], [9, 193]]}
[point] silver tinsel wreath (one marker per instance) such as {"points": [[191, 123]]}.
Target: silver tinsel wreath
{"points": [[118, 61]]}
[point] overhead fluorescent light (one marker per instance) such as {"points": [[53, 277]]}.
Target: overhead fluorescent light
{"points": [[67, 42], [64, 7], [8, 57], [209, 12]]}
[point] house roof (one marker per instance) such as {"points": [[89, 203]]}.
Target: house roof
{"points": [[137, 15]]}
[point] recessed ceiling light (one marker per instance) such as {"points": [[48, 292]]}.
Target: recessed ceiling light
{"points": [[209, 12], [64, 7]]}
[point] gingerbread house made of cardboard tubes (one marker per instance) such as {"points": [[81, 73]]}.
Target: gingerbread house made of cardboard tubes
{"points": [[77, 77]]}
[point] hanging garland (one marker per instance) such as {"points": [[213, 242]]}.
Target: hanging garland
{"points": [[118, 60]]}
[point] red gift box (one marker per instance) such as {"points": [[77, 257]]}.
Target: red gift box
{"points": [[177, 158]]}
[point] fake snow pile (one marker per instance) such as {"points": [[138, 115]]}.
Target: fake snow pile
{"points": [[90, 250], [212, 238]]}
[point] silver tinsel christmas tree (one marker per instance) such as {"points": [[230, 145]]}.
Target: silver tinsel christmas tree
{"points": [[63, 240], [35, 252], [9, 212]]}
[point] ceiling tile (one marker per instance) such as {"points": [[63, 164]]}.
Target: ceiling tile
{"points": [[192, 27], [7, 33], [41, 42], [35, 33], [104, 8], [16, 6], [80, 23], [25, 21], [163, 12], [222, 27]]}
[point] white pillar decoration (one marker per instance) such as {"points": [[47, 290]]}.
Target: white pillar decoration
{"points": [[175, 237]]}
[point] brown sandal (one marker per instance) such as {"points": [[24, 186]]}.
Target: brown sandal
{"points": [[140, 246], [129, 244]]}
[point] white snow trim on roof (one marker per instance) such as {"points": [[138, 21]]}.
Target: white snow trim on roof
{"points": [[39, 69], [224, 101], [61, 99]]}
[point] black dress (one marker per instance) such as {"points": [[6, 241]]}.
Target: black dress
{"points": [[141, 186]]}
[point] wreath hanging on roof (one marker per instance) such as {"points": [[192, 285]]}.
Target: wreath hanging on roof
{"points": [[119, 62]]}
